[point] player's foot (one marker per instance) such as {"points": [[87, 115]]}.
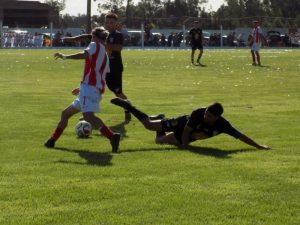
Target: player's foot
{"points": [[50, 143], [121, 102], [115, 141], [157, 117], [254, 64], [127, 116]]}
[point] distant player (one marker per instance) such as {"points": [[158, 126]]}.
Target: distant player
{"points": [[114, 46], [256, 41], [196, 41], [91, 88], [201, 124]]}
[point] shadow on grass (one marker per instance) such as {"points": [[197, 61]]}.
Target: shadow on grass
{"points": [[201, 65], [119, 128], [214, 152], [92, 158], [264, 66], [104, 158], [261, 66]]}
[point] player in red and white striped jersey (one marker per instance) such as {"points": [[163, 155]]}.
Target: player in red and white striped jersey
{"points": [[91, 89], [256, 42]]}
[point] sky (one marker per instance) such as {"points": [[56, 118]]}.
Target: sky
{"points": [[74, 7]]}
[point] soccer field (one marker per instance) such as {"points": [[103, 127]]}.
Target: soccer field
{"points": [[219, 181]]}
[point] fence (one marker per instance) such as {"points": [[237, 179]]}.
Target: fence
{"points": [[145, 37]]}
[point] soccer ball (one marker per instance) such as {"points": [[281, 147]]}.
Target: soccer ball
{"points": [[83, 129]]}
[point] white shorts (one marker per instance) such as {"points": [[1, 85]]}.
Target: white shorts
{"points": [[255, 47], [88, 100]]}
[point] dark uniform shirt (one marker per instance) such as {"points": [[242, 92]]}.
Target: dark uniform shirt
{"points": [[197, 123], [196, 35], [115, 58]]}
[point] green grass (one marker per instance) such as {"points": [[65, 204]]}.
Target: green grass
{"points": [[220, 181]]}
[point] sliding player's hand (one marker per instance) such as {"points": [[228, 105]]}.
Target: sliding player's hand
{"points": [[265, 147], [58, 55]]}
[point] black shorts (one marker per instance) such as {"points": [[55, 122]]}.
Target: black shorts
{"points": [[176, 125], [196, 45], [114, 82]]}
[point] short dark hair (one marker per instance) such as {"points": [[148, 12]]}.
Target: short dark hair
{"points": [[111, 16], [216, 109], [100, 33]]}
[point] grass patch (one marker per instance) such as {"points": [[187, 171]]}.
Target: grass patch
{"points": [[219, 181]]}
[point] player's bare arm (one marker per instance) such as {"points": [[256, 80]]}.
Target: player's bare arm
{"points": [[80, 55], [249, 141], [79, 38], [186, 136]]}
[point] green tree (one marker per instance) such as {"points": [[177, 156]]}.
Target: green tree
{"points": [[283, 8], [149, 8], [114, 6], [57, 5]]}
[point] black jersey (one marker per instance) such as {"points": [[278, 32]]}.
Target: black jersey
{"points": [[197, 123], [115, 58], [196, 35]]}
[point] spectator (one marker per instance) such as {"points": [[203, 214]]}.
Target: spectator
{"points": [[170, 40], [163, 40]]}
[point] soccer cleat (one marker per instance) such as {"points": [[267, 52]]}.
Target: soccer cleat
{"points": [[127, 116], [114, 141], [50, 143], [254, 64], [157, 117], [121, 102]]}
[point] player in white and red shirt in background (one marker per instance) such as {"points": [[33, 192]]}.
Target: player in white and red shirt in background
{"points": [[256, 41], [91, 89]]}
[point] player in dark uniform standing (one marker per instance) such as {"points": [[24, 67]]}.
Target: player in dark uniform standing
{"points": [[114, 46], [196, 41], [201, 124]]}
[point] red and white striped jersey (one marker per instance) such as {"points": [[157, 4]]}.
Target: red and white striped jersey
{"points": [[256, 34], [96, 66]]}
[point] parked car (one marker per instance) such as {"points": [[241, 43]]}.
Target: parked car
{"points": [[274, 38], [206, 36], [134, 38]]}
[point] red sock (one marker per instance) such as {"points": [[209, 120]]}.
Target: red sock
{"points": [[58, 131], [106, 132]]}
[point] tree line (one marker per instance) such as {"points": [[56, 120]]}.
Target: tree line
{"points": [[175, 13]]}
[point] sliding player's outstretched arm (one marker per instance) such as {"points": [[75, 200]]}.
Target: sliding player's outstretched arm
{"points": [[251, 142]]}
